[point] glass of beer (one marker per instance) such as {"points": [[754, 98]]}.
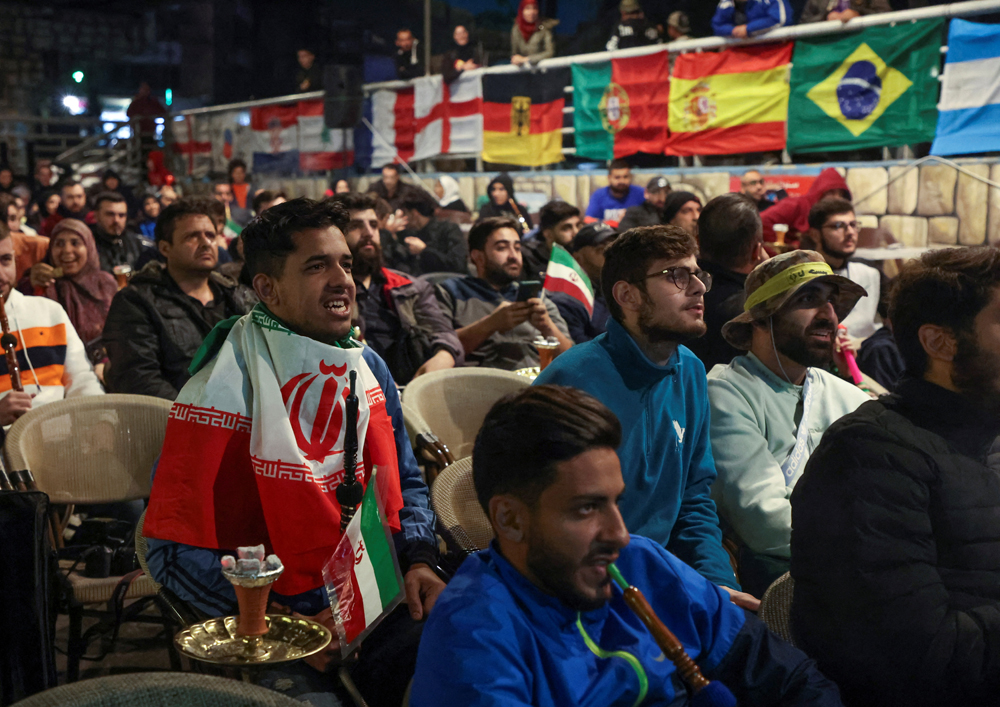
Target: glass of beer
{"points": [[780, 232], [122, 274], [548, 349]]}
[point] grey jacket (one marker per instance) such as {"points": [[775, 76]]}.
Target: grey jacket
{"points": [[539, 47], [817, 10]]}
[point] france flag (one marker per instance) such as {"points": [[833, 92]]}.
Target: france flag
{"points": [[969, 120]]}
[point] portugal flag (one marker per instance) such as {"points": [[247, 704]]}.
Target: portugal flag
{"points": [[621, 106], [564, 274], [729, 102], [523, 117]]}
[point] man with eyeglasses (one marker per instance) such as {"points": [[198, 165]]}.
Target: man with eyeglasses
{"points": [[752, 184], [771, 405], [638, 368], [835, 230]]}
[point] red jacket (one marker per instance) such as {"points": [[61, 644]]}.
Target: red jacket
{"points": [[794, 210]]}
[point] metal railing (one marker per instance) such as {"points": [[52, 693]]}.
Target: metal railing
{"points": [[69, 140]]}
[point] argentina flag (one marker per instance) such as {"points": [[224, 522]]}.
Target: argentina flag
{"points": [[970, 94]]}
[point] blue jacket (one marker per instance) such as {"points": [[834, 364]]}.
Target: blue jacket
{"points": [[665, 453], [194, 573], [582, 326], [494, 639], [762, 16]]}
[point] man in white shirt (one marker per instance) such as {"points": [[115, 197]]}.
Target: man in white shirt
{"points": [[835, 230]]}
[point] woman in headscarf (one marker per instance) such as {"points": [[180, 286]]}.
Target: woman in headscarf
{"points": [[530, 38], [448, 194], [464, 55], [501, 203], [79, 285]]}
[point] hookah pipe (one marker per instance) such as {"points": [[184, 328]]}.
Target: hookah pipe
{"points": [[520, 216], [19, 480], [350, 491], [703, 692]]}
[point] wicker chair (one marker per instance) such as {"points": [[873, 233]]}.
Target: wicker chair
{"points": [[91, 450], [444, 410], [454, 499], [776, 606], [159, 690]]}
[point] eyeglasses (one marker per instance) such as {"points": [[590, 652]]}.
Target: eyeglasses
{"points": [[842, 225], [680, 275]]}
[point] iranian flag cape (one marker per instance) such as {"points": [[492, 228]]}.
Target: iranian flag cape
{"points": [[254, 449], [564, 274]]}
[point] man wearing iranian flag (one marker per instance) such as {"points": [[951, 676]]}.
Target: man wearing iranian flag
{"points": [[254, 449], [573, 281]]}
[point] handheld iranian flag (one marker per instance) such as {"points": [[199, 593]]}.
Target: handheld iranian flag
{"points": [[564, 274], [363, 579]]}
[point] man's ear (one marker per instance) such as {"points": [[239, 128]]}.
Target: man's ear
{"points": [[266, 289], [939, 342], [478, 258], [509, 517], [163, 247], [627, 295]]}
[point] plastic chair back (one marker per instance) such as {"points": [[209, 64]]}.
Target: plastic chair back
{"points": [[454, 402], [453, 496], [97, 449]]}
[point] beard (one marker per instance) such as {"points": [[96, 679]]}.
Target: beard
{"points": [[366, 264], [659, 332], [976, 373], [840, 254], [794, 343], [498, 275], [555, 572]]}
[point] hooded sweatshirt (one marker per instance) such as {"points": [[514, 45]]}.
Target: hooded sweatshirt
{"points": [[794, 211], [509, 210]]}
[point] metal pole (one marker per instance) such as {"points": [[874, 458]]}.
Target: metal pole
{"points": [[427, 37]]}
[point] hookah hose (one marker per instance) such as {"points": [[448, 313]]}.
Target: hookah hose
{"points": [[703, 692]]}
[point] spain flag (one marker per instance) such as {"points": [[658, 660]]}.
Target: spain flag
{"points": [[729, 102], [523, 117]]}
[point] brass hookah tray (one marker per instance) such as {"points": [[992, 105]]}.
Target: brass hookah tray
{"points": [[288, 638]]}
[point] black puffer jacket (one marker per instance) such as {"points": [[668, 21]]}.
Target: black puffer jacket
{"points": [[153, 330], [896, 552]]}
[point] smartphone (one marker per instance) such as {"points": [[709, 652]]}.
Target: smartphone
{"points": [[528, 290]]}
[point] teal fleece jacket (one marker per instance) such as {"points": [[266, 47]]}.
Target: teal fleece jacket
{"points": [[666, 454]]}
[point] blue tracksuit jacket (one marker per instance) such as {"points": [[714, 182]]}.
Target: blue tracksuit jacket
{"points": [[665, 453], [494, 639], [762, 15]]}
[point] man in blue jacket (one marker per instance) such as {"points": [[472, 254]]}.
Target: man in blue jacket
{"points": [[746, 18], [534, 619], [657, 388]]}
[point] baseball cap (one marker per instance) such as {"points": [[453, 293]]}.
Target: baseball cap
{"points": [[591, 234]]}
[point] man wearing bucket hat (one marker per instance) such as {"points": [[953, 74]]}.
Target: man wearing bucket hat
{"points": [[771, 406]]}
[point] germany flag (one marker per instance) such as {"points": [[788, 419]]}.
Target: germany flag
{"points": [[523, 116]]}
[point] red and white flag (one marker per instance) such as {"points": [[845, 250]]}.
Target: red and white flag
{"points": [[322, 148], [193, 141], [428, 118]]}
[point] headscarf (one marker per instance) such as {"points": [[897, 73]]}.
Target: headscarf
{"points": [[451, 190], [465, 51], [526, 29], [510, 209], [87, 295]]}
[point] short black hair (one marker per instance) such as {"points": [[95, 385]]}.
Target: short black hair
{"points": [[525, 435], [266, 197], [220, 183], [146, 197], [827, 207], [392, 165], [353, 201], [68, 183], [168, 218], [233, 164], [728, 230], [484, 228], [946, 288], [382, 208], [630, 256], [112, 196], [554, 212], [267, 239], [421, 204], [619, 164]]}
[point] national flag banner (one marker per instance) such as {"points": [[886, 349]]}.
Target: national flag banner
{"points": [[523, 116], [728, 102], [969, 111], [620, 107], [193, 142], [363, 579], [276, 138], [322, 148], [231, 139], [427, 119], [874, 88], [564, 274]]}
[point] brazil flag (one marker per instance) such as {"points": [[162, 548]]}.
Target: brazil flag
{"points": [[876, 88]]}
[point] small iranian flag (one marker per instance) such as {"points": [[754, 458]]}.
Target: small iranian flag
{"points": [[564, 274], [363, 579]]}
